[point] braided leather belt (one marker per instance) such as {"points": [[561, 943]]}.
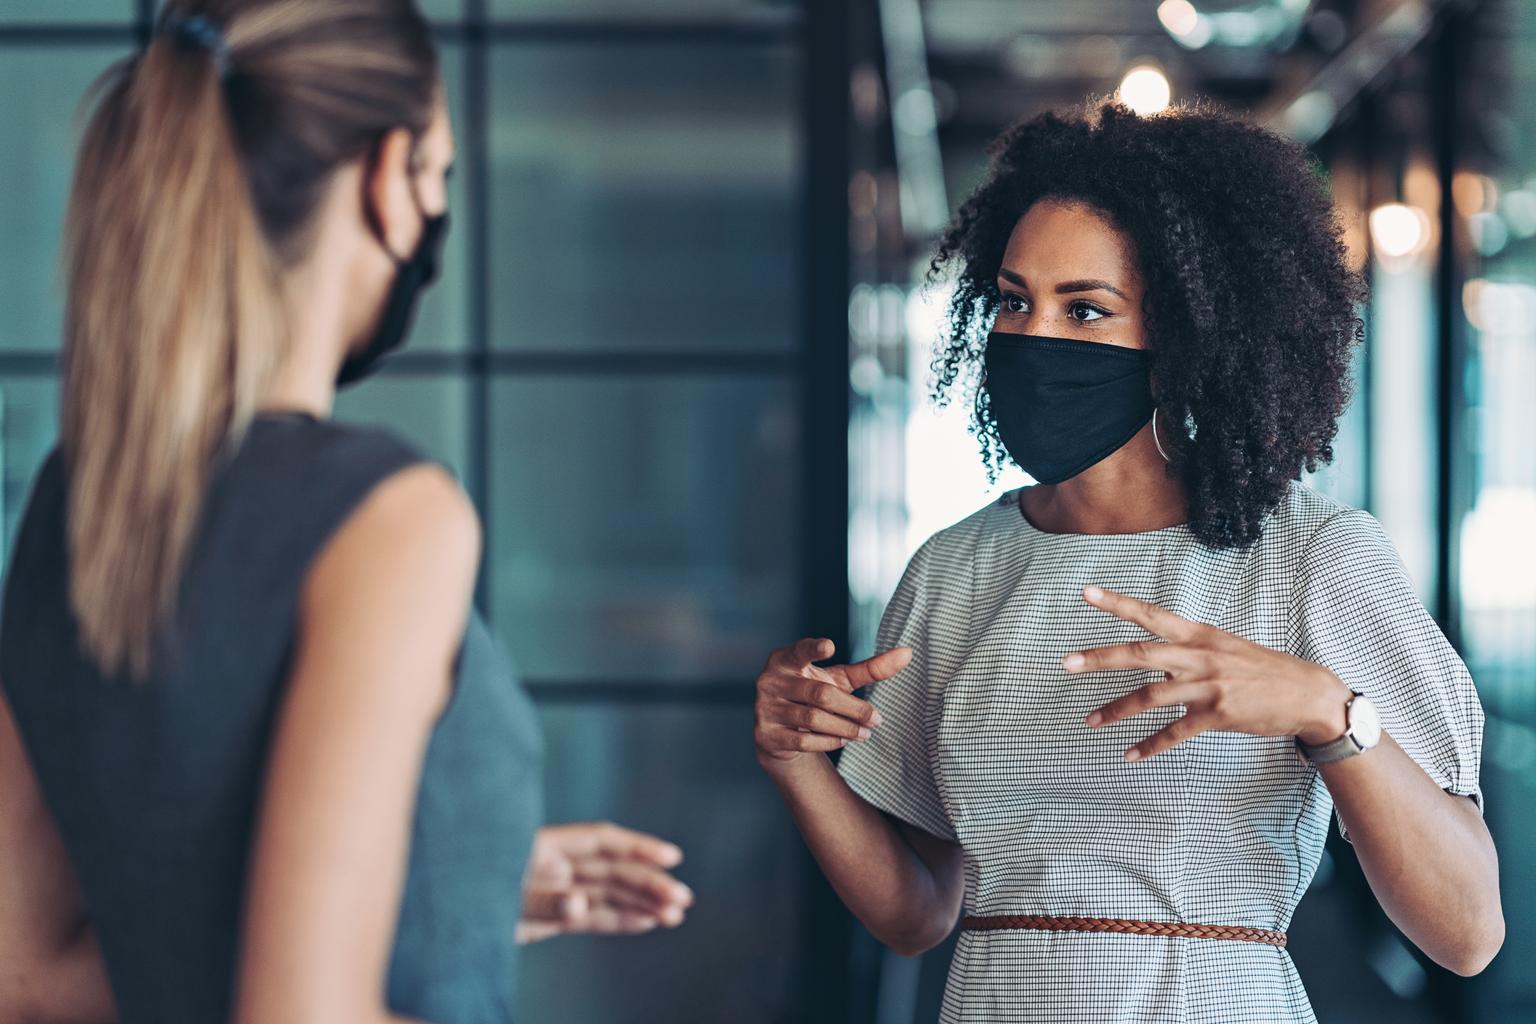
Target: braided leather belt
{"points": [[1041, 922]]}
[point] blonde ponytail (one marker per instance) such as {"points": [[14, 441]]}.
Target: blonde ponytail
{"points": [[174, 323]]}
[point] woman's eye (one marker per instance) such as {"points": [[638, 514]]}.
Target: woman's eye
{"points": [[1015, 304], [1084, 312]]}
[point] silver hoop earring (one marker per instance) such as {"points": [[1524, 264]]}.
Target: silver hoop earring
{"points": [[1154, 437]]}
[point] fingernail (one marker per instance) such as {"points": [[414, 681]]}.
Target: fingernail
{"points": [[863, 733], [1073, 662], [1094, 719], [1093, 593], [1133, 754], [875, 719]]}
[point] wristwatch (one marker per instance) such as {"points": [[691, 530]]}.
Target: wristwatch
{"points": [[1362, 731]]}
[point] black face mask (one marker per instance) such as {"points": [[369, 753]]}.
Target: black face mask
{"points": [[1062, 405], [412, 275]]}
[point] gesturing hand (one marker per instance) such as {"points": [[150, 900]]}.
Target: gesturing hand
{"points": [[1224, 681], [600, 878], [805, 709]]}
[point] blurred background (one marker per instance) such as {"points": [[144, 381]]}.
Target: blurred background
{"points": [[679, 360]]}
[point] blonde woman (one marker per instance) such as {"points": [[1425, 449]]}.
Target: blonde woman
{"points": [[259, 760]]}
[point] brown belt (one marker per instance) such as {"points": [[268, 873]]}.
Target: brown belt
{"points": [[1040, 922]]}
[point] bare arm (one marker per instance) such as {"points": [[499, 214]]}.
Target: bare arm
{"points": [[380, 620], [905, 886], [1426, 853], [50, 967]]}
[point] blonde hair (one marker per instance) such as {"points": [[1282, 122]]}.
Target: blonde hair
{"points": [[196, 183]]}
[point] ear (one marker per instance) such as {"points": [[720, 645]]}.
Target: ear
{"points": [[389, 201]]}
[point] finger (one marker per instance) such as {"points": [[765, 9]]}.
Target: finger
{"points": [[1153, 618], [654, 885], [602, 917], [1185, 728], [830, 698], [615, 921], [1154, 695], [872, 670], [617, 897], [814, 721], [548, 867], [619, 841], [831, 675], [800, 657], [586, 839], [1138, 654], [552, 906], [535, 931], [777, 737]]}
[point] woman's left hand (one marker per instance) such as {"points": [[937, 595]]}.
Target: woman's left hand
{"points": [[602, 879], [1224, 681]]}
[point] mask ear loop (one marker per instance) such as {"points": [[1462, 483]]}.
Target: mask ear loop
{"points": [[1154, 437]]}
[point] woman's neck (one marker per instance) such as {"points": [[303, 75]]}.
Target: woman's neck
{"points": [[317, 327], [1128, 492], [302, 384]]}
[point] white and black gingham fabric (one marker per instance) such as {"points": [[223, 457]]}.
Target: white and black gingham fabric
{"points": [[983, 743]]}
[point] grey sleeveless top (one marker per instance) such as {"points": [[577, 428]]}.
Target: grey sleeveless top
{"points": [[154, 785]]}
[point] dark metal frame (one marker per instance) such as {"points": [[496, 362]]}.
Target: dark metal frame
{"points": [[825, 972], [1452, 497]]}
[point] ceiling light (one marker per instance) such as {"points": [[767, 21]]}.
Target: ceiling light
{"points": [[1145, 89]]}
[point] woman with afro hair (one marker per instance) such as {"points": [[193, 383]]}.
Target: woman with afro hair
{"points": [[1114, 711]]}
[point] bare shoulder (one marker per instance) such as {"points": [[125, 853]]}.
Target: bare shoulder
{"points": [[389, 595], [419, 507]]}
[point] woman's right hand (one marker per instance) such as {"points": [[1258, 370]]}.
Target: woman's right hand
{"points": [[806, 709]]}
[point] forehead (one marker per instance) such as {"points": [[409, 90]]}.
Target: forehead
{"points": [[1060, 240]]}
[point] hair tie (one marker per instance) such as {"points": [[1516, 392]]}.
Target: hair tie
{"points": [[198, 31]]}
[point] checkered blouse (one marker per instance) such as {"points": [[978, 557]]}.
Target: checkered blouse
{"points": [[983, 743]]}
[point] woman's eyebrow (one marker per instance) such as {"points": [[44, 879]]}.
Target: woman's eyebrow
{"points": [[1067, 287]]}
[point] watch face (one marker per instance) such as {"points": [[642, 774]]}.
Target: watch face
{"points": [[1364, 722]]}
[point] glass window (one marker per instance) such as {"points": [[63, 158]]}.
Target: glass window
{"points": [[43, 86], [1402, 407], [72, 12], [731, 961], [430, 410], [1345, 478], [643, 528], [1498, 545], [644, 197], [442, 10], [29, 426]]}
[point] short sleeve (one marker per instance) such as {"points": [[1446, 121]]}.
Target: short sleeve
{"points": [[893, 770], [1355, 611]]}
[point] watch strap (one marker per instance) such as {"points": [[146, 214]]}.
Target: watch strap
{"points": [[1337, 750]]}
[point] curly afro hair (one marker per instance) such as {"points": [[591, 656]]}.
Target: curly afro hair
{"points": [[1252, 309]]}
